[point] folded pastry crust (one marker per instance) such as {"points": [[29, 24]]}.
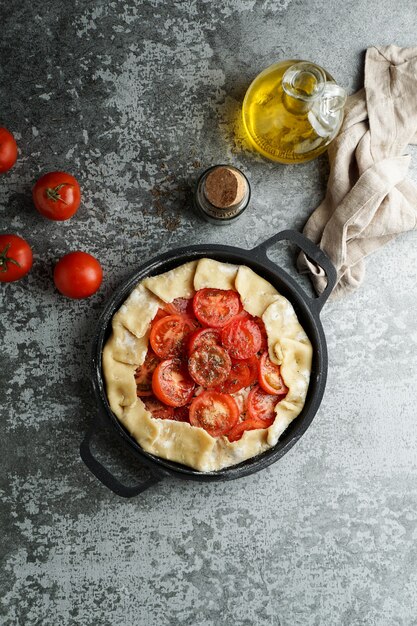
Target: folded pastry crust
{"points": [[126, 349]]}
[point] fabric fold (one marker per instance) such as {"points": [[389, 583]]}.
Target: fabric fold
{"points": [[369, 199]]}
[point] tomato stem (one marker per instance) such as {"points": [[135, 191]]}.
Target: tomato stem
{"points": [[4, 259], [52, 193]]}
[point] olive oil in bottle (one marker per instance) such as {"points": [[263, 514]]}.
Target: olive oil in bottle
{"points": [[292, 111]]}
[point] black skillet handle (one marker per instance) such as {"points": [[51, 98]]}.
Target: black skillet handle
{"points": [[312, 251], [105, 476]]}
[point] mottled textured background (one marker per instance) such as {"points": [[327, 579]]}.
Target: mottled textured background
{"points": [[135, 98]]}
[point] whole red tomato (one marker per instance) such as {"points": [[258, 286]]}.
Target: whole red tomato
{"points": [[78, 275], [8, 150], [15, 258], [57, 196]]}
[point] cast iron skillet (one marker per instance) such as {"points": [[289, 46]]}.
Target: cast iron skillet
{"points": [[307, 310]]}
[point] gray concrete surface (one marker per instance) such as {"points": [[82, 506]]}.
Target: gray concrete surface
{"points": [[135, 98]]}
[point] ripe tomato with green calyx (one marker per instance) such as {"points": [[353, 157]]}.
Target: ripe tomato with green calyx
{"points": [[57, 196], [15, 258]]}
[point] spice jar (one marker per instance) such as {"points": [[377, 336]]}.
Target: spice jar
{"points": [[222, 194]]}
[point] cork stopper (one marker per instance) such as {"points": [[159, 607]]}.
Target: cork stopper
{"points": [[225, 187]]}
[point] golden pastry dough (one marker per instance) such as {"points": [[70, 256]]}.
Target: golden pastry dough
{"points": [[120, 380], [126, 349], [177, 283], [214, 274], [255, 292], [137, 312]]}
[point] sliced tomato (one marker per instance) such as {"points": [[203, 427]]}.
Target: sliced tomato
{"points": [[203, 338], [193, 322], [261, 405], [180, 306], [270, 377], [252, 364], [216, 307], [158, 409], [209, 366], [250, 424], [243, 315], [159, 315], [171, 383], [264, 336], [216, 412], [242, 338], [238, 378], [143, 374], [168, 335]]}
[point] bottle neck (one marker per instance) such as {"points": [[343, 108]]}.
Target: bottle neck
{"points": [[303, 84]]}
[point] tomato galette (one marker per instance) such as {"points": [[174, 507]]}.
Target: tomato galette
{"points": [[207, 364]]}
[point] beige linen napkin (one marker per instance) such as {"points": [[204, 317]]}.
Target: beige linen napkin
{"points": [[369, 199]]}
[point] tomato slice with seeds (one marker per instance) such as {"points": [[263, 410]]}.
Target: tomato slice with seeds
{"points": [[252, 364], [172, 384], [168, 335], [216, 412], [161, 411], [158, 409], [238, 378], [193, 322], [264, 337], [216, 307], [242, 338], [270, 377], [261, 405], [250, 424], [143, 374], [209, 366], [159, 315], [203, 338], [182, 306]]}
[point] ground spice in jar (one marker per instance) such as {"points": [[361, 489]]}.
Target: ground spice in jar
{"points": [[222, 194]]}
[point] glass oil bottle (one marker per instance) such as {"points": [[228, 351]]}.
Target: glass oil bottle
{"points": [[292, 111]]}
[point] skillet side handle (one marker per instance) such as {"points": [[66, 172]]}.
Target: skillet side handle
{"points": [[104, 476], [314, 252]]}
